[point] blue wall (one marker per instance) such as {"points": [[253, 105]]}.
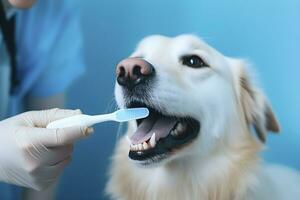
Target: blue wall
{"points": [[266, 32]]}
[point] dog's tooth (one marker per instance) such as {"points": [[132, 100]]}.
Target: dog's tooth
{"points": [[152, 140], [140, 146], [132, 147], [145, 146], [174, 132], [179, 127], [148, 144]]}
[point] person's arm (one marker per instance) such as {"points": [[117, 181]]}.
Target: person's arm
{"points": [[55, 53], [39, 103], [33, 156]]}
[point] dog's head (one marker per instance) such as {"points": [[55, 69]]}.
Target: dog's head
{"points": [[197, 98]]}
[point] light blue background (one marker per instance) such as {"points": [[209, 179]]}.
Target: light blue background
{"points": [[265, 32]]}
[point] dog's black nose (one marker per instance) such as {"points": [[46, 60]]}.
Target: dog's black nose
{"points": [[133, 71]]}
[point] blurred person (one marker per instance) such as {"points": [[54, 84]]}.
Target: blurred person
{"points": [[40, 56]]}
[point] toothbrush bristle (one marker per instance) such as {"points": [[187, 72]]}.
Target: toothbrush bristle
{"points": [[124, 115]]}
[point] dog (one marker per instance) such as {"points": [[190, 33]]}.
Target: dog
{"points": [[208, 122]]}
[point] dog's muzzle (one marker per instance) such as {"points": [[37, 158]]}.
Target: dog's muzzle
{"points": [[159, 135]]}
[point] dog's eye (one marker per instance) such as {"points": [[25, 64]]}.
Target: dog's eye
{"points": [[193, 61]]}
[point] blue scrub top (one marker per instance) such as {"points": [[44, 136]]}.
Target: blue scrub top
{"points": [[50, 57]]}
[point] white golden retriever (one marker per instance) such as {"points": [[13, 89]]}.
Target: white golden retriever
{"points": [[197, 142]]}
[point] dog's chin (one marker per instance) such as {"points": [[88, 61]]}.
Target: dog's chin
{"points": [[160, 136]]}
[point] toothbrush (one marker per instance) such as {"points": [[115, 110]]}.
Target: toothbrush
{"points": [[121, 115]]}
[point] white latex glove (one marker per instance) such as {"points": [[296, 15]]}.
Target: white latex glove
{"points": [[33, 156]]}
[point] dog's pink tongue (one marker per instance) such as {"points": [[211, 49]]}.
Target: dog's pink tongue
{"points": [[160, 125]]}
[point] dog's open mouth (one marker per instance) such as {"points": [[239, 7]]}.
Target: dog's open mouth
{"points": [[159, 135]]}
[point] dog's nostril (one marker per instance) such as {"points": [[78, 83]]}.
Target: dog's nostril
{"points": [[122, 80], [121, 71], [136, 71]]}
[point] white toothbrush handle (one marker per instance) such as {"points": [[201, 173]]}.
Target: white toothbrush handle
{"points": [[80, 120], [77, 120], [102, 118]]}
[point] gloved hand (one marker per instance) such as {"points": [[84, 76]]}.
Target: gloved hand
{"points": [[33, 156]]}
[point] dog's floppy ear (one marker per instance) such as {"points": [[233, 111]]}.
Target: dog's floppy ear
{"points": [[256, 108]]}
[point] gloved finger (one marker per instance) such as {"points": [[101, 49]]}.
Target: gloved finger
{"points": [[58, 154], [51, 137], [49, 174], [50, 156], [44, 117], [53, 171]]}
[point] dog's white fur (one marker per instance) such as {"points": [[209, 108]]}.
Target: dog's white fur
{"points": [[222, 163]]}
